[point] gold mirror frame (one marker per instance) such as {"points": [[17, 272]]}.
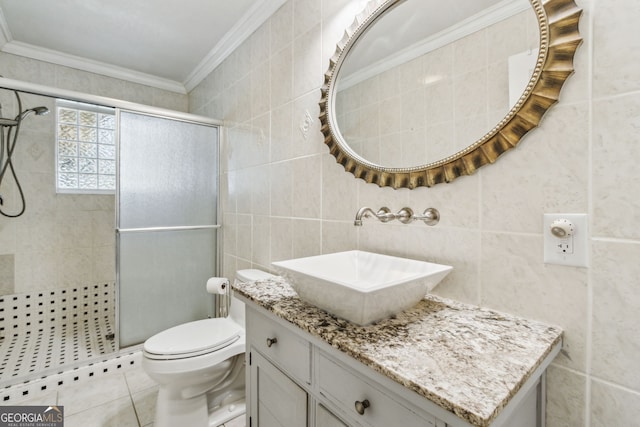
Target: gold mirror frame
{"points": [[559, 39]]}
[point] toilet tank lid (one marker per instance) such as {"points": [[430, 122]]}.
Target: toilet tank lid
{"points": [[252, 274]]}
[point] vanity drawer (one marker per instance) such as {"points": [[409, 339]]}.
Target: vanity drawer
{"points": [[350, 393], [280, 346]]}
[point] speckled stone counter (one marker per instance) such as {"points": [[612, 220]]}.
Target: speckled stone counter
{"points": [[468, 360]]}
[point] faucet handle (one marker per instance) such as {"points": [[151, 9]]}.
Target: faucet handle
{"points": [[384, 214], [430, 216], [405, 215]]}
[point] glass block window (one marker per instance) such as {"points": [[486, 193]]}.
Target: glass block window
{"points": [[86, 148]]}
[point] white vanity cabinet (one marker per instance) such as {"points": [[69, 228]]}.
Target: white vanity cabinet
{"points": [[337, 374], [294, 383], [276, 400]]}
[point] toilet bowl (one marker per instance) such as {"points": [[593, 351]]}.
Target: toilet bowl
{"points": [[200, 367]]}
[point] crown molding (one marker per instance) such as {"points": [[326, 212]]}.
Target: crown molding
{"points": [[248, 23], [97, 67], [492, 15], [251, 21]]}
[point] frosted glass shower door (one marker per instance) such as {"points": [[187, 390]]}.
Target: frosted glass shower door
{"points": [[167, 216]]}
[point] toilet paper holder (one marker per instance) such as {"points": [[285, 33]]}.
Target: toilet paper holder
{"points": [[221, 287]]}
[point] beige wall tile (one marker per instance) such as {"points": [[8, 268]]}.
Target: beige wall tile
{"points": [[616, 51], [613, 406], [456, 247], [306, 187], [566, 398], [547, 172], [616, 304], [515, 280], [616, 148], [307, 237]]}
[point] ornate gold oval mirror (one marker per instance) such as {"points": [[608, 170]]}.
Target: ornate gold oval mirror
{"points": [[419, 93]]}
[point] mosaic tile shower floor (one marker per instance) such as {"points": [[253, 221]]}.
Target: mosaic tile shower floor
{"points": [[54, 345], [46, 329]]}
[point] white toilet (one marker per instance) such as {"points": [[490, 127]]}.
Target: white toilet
{"points": [[200, 367]]}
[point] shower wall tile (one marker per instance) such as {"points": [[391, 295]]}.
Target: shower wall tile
{"points": [[7, 274], [104, 263], [29, 70], [59, 225]]}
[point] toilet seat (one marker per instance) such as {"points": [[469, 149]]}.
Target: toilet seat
{"points": [[192, 339]]}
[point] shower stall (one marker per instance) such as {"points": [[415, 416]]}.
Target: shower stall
{"points": [[87, 273]]}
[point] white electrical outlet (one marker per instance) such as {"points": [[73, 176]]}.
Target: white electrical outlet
{"points": [[565, 239]]}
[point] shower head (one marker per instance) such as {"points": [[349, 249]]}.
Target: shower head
{"points": [[40, 111]]}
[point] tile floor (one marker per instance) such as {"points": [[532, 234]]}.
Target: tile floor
{"points": [[119, 399]]}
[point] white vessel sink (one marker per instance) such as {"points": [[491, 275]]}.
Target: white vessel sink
{"points": [[361, 287]]}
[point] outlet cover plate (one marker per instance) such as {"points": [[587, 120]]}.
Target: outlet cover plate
{"points": [[579, 257]]}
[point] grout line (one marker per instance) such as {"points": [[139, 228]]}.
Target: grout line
{"points": [[590, 210]]}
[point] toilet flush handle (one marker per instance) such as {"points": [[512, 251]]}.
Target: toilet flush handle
{"points": [[271, 341]]}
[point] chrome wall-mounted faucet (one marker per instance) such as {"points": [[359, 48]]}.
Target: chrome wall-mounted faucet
{"points": [[430, 216]]}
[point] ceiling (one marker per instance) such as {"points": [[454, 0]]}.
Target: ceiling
{"points": [[168, 44]]}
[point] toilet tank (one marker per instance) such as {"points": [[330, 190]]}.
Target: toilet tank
{"points": [[236, 312]]}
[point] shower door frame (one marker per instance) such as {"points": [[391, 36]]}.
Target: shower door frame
{"points": [[122, 105]]}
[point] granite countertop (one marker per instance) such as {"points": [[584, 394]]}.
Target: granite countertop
{"points": [[469, 360]]}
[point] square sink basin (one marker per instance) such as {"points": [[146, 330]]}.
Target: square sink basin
{"points": [[362, 287]]}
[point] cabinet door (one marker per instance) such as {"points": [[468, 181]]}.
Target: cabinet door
{"points": [[324, 418], [276, 401]]}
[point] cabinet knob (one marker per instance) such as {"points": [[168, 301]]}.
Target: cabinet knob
{"points": [[361, 406], [271, 341]]}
